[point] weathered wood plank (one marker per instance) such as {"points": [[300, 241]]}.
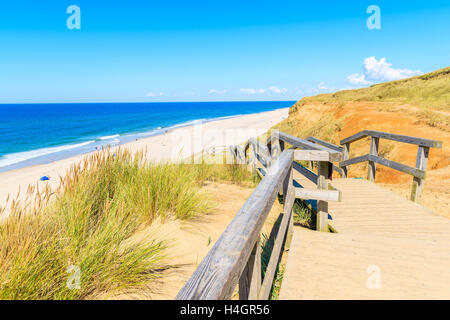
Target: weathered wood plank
{"points": [[338, 170], [262, 152], [421, 164], [345, 157], [311, 155], [240, 155], [354, 160], [232, 150], [322, 206], [279, 240], [314, 194], [395, 137], [275, 148], [305, 171], [250, 152], [261, 172], [372, 167], [250, 280], [219, 272], [304, 144], [325, 144], [398, 166]]}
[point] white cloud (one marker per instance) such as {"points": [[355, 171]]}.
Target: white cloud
{"points": [[321, 86], [379, 71], [211, 91], [277, 90], [271, 89], [152, 94], [252, 91], [357, 79]]}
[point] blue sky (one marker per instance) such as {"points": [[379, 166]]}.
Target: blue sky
{"points": [[167, 50]]}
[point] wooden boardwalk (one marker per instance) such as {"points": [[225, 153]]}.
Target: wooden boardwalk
{"points": [[386, 247]]}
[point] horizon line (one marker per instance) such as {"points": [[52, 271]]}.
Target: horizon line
{"points": [[105, 102]]}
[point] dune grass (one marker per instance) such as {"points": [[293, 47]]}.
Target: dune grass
{"points": [[430, 91], [80, 242], [325, 127]]}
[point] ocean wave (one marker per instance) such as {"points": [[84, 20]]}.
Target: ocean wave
{"points": [[109, 137], [14, 158]]}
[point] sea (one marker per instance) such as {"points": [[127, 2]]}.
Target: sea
{"points": [[41, 133]]}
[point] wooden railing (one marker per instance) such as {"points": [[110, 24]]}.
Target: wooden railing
{"points": [[235, 259], [418, 173]]}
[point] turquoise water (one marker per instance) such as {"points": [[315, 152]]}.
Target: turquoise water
{"points": [[41, 133]]}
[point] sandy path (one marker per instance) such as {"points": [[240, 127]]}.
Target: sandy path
{"points": [[169, 146]]}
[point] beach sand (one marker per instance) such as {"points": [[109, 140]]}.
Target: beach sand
{"points": [[170, 146]]}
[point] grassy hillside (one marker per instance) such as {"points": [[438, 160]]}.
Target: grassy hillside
{"points": [[417, 106], [426, 98], [431, 90]]}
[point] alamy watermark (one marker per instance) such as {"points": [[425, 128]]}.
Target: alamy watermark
{"points": [[374, 20], [74, 20], [374, 280], [74, 280]]}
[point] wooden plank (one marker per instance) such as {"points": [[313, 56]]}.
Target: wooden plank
{"points": [[278, 244], [218, 273], [325, 144], [322, 206], [287, 185], [240, 155], [250, 280], [262, 152], [261, 159], [372, 167], [314, 194], [399, 167], [305, 172], [275, 149], [354, 160], [274, 258], [345, 156], [261, 172], [304, 144], [233, 154], [395, 137], [311, 155], [251, 154], [421, 164], [338, 170]]}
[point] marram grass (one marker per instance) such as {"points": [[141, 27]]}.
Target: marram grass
{"points": [[89, 224]]}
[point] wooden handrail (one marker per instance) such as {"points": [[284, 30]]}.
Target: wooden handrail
{"points": [[236, 256], [221, 269], [325, 144], [419, 172], [391, 136], [304, 144]]}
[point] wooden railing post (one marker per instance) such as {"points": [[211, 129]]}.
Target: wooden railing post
{"points": [[372, 167], [288, 202], [345, 156], [250, 280], [281, 145], [421, 163], [322, 206], [252, 158], [283, 237], [275, 149]]}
